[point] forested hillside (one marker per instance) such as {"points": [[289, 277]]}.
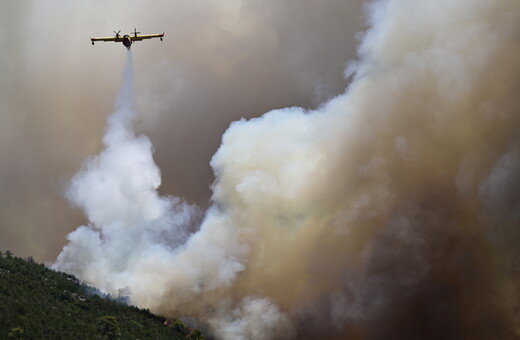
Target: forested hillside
{"points": [[39, 303]]}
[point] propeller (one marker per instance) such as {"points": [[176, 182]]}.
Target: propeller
{"points": [[135, 32], [117, 33]]}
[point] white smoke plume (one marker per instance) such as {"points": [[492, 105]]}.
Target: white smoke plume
{"points": [[129, 221], [389, 212]]}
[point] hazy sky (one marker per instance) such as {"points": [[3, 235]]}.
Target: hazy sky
{"points": [[220, 61]]}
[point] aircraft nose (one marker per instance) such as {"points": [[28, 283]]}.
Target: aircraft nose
{"points": [[127, 42]]}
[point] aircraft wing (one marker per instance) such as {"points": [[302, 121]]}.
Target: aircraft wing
{"points": [[147, 36], [107, 39]]}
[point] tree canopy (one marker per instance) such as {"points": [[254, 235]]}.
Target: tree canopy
{"points": [[39, 303]]}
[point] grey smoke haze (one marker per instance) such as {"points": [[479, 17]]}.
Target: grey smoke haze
{"points": [[389, 212], [220, 61]]}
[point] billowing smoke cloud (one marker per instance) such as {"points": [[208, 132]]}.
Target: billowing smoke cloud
{"points": [[220, 61], [118, 191], [391, 211]]}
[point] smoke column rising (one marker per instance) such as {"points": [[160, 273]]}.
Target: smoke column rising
{"points": [[243, 57], [389, 212], [117, 190]]}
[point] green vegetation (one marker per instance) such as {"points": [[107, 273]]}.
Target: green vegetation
{"points": [[39, 303]]}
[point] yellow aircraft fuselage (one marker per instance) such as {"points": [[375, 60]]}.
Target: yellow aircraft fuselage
{"points": [[128, 39]]}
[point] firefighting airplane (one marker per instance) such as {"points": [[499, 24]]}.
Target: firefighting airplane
{"points": [[127, 39]]}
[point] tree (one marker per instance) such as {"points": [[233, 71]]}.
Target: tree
{"points": [[109, 327], [16, 333], [197, 335], [180, 327]]}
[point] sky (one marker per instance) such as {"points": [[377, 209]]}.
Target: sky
{"points": [[219, 62], [276, 169]]}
